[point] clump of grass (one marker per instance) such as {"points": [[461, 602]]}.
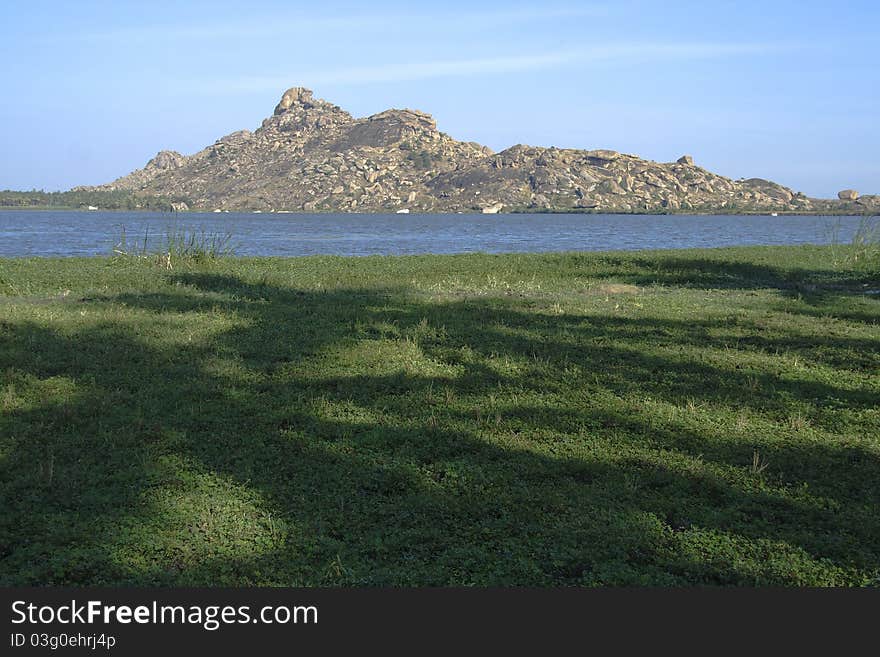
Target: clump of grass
{"points": [[178, 244], [798, 422], [863, 252], [198, 245], [866, 245], [759, 463]]}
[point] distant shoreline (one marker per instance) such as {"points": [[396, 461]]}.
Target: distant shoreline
{"points": [[712, 213]]}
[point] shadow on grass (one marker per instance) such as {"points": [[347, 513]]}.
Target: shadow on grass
{"points": [[713, 273], [266, 453]]}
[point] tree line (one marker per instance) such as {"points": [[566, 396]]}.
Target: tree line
{"points": [[116, 199]]}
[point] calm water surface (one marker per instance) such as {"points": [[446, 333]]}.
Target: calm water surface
{"points": [[67, 233]]}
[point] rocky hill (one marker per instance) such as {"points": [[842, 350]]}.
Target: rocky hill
{"points": [[310, 155]]}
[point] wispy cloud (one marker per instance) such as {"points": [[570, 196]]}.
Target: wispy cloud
{"points": [[411, 71], [290, 25], [402, 72]]}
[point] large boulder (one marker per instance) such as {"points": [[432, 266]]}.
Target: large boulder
{"points": [[848, 195], [686, 159], [601, 157], [166, 160], [293, 96], [387, 128]]}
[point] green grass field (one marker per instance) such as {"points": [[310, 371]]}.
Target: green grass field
{"points": [[649, 418]]}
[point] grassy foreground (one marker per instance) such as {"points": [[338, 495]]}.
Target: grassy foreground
{"points": [[660, 418]]}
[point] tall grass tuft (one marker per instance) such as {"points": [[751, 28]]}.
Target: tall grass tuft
{"points": [[863, 251], [198, 245], [866, 245], [178, 244]]}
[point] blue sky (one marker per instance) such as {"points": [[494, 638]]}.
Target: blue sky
{"points": [[783, 90]]}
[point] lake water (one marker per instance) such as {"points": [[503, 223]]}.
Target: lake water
{"points": [[67, 233]]}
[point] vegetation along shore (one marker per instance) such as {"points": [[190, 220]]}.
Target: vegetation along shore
{"points": [[656, 418]]}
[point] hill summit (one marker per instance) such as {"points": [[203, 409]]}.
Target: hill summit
{"points": [[311, 155]]}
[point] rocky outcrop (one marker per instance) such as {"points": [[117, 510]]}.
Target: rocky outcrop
{"points": [[848, 195], [164, 161], [310, 155], [294, 96]]}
